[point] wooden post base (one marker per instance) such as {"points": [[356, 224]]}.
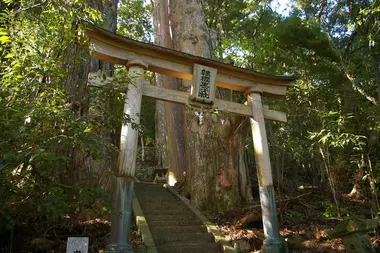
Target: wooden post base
{"points": [[279, 247], [273, 242], [121, 216]]}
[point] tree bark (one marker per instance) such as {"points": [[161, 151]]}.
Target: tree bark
{"points": [[160, 134], [245, 183], [173, 113], [160, 122], [376, 71], [212, 140], [79, 99]]}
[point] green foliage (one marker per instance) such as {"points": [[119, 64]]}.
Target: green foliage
{"points": [[147, 120], [293, 214], [331, 210], [134, 20], [41, 131], [332, 133], [333, 116]]}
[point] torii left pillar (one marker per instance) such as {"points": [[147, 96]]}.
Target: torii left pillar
{"points": [[121, 218]]}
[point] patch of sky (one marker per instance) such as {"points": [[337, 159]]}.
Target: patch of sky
{"points": [[282, 7]]}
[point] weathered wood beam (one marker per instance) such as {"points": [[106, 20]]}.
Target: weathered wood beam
{"points": [[117, 53], [232, 107], [180, 97], [94, 32], [273, 242], [121, 218]]}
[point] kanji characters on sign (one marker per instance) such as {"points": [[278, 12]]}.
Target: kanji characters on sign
{"points": [[204, 86]]}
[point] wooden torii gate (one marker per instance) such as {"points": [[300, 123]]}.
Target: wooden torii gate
{"points": [[137, 57]]}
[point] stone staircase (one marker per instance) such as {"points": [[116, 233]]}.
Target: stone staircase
{"points": [[174, 227]]}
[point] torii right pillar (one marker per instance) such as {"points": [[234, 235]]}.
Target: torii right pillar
{"points": [[273, 242]]}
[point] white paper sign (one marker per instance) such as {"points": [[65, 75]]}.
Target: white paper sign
{"points": [[77, 245]]}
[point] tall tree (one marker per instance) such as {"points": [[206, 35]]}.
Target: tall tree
{"points": [[211, 139], [332, 109], [44, 111], [332, 46], [79, 65], [172, 116]]}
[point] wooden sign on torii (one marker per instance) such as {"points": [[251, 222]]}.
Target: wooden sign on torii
{"points": [[138, 57]]}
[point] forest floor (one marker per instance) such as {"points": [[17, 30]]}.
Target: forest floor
{"points": [[304, 219], [52, 236]]}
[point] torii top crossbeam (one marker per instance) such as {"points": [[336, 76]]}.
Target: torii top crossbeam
{"points": [[113, 48]]}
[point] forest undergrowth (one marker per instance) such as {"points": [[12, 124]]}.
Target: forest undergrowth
{"points": [[304, 216]]}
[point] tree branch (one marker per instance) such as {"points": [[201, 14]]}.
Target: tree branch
{"points": [[360, 90]]}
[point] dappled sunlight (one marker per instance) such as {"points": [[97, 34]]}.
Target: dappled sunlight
{"points": [[171, 179]]}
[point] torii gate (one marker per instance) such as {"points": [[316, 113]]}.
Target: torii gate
{"points": [[137, 57]]}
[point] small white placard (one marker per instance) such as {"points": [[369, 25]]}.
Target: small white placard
{"points": [[77, 245]]}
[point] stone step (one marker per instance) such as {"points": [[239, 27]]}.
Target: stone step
{"points": [[161, 202], [179, 229], [165, 206], [147, 184], [150, 191], [153, 196], [164, 211], [156, 197], [143, 188], [170, 217], [147, 207], [190, 248], [172, 223], [182, 237]]}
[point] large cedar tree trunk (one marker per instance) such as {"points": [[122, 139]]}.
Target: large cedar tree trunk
{"points": [[213, 141], [169, 116], [79, 64]]}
